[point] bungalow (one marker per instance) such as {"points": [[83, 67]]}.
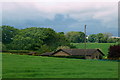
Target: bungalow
{"points": [[86, 53]]}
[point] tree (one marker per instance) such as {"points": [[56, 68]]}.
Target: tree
{"points": [[62, 40], [114, 52], [26, 39], [107, 35], [92, 38], [111, 40], [101, 38], [75, 37], [61, 32], [33, 38], [8, 33], [42, 39]]}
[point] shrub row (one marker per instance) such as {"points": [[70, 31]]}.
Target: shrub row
{"points": [[16, 51], [21, 52]]}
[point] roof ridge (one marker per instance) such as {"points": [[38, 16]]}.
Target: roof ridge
{"points": [[74, 49]]}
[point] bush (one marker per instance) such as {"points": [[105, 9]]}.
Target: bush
{"points": [[16, 51], [114, 52]]}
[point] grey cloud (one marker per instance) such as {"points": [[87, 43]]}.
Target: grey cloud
{"points": [[29, 16]]}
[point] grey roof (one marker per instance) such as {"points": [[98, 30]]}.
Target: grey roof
{"points": [[80, 51], [75, 52]]}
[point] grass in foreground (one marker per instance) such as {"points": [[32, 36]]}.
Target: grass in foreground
{"points": [[102, 46], [24, 66]]}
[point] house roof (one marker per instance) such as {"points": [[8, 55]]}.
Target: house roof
{"points": [[74, 52], [80, 51]]}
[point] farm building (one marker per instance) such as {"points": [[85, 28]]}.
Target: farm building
{"points": [[86, 53]]}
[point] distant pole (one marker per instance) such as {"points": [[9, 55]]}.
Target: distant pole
{"points": [[85, 40], [85, 35]]}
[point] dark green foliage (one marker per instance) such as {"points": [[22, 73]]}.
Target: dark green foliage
{"points": [[34, 38], [61, 39], [75, 37], [3, 47], [112, 40], [92, 38], [61, 32], [16, 51], [114, 52], [8, 33], [31, 38], [102, 38], [45, 48]]}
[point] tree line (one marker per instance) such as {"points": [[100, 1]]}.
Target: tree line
{"points": [[33, 38], [102, 38], [79, 37], [46, 39]]}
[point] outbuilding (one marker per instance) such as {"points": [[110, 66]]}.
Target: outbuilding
{"points": [[85, 53]]}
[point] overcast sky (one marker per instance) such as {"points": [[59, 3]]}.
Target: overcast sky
{"points": [[99, 17]]}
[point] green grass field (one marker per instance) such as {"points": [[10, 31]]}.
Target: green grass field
{"points": [[24, 66], [102, 46]]}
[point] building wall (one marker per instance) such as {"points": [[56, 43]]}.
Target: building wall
{"points": [[61, 53], [88, 57], [96, 55]]}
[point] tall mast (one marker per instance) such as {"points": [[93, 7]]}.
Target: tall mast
{"points": [[85, 35], [85, 40]]}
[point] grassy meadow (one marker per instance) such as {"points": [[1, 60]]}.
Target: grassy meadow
{"points": [[102, 46], [25, 66]]}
